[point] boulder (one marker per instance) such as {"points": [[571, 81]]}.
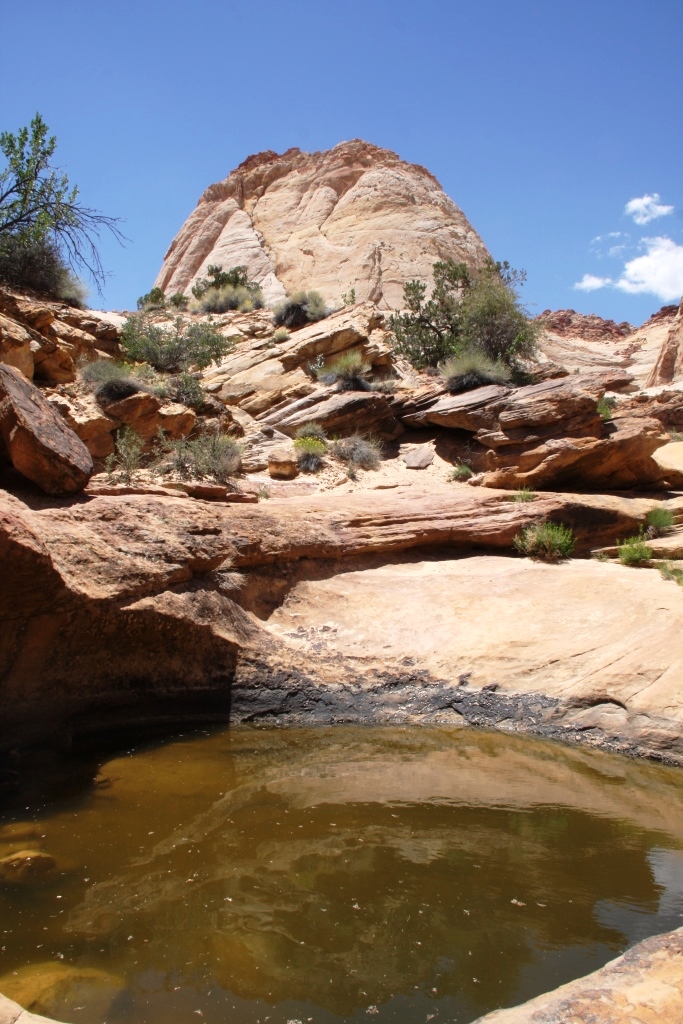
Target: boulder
{"points": [[15, 346], [669, 458], [341, 413], [26, 866], [176, 420], [57, 990], [282, 462], [39, 443], [140, 411], [86, 418], [419, 458]]}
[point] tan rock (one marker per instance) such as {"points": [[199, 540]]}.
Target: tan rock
{"points": [[670, 459], [86, 418], [15, 346], [57, 989], [341, 413], [644, 986], [140, 411], [176, 420], [282, 463], [39, 443], [26, 866], [355, 216], [669, 365], [420, 457]]}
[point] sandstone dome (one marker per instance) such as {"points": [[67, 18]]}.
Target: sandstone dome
{"points": [[355, 216]]}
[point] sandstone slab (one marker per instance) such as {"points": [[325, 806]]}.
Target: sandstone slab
{"points": [[340, 413], [39, 443]]}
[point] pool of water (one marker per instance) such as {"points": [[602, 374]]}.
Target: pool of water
{"points": [[313, 875]]}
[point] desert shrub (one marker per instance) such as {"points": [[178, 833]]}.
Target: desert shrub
{"points": [[37, 265], [523, 494], [606, 407], [634, 550], [178, 300], [658, 520], [126, 460], [154, 299], [299, 309], [263, 492], [461, 471], [549, 542], [175, 347], [670, 572], [110, 381], [349, 298], [310, 452], [472, 369], [311, 429], [216, 455], [229, 297], [675, 435], [280, 335], [357, 451], [468, 310], [188, 391], [348, 371]]}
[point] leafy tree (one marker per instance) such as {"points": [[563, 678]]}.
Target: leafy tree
{"points": [[154, 299], [40, 209], [475, 311], [173, 348]]}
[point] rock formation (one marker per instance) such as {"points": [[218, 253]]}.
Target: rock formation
{"points": [[353, 217]]}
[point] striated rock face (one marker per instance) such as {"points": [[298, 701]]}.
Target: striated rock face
{"points": [[669, 365], [644, 986], [570, 324], [355, 216], [39, 443]]}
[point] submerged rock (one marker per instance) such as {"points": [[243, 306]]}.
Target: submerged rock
{"points": [[55, 989]]}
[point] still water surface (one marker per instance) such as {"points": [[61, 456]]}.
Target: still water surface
{"points": [[319, 875]]}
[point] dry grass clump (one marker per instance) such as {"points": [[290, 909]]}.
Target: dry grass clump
{"points": [[461, 472], [548, 542], [659, 520], [299, 309], [357, 452], [311, 429], [472, 369], [348, 371], [523, 494], [126, 460], [209, 455], [310, 452]]}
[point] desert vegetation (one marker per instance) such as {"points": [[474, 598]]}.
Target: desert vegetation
{"points": [[547, 542], [634, 550], [173, 347], [299, 309], [467, 312], [472, 369], [357, 451], [348, 371], [46, 233]]}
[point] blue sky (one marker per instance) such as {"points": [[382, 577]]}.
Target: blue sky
{"points": [[542, 120]]}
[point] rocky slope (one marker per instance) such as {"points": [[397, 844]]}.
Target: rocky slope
{"points": [[355, 216]]}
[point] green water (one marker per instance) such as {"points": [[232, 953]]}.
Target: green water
{"points": [[313, 875]]}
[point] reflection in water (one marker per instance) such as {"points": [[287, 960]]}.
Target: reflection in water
{"points": [[313, 874]]}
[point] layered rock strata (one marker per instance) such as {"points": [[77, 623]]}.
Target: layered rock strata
{"points": [[353, 217]]}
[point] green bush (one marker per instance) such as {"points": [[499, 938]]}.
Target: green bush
{"points": [[311, 429], [299, 309], [670, 572], [467, 311], [634, 550], [178, 300], [110, 381], [658, 520], [310, 452], [280, 335], [461, 471], [126, 460], [209, 455], [348, 371], [549, 542], [222, 300], [472, 369], [188, 391], [606, 407], [37, 265], [523, 494], [154, 299], [357, 451], [176, 347]]}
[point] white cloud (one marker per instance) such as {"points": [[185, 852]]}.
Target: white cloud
{"points": [[659, 272], [590, 283], [646, 208]]}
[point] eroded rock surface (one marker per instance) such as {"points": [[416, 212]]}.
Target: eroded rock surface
{"points": [[355, 216]]}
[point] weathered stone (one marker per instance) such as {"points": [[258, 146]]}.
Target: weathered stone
{"points": [[86, 418], [56, 989], [15, 346], [139, 411], [177, 420], [669, 365], [355, 216], [340, 412], [670, 460], [26, 866], [644, 986], [282, 463], [420, 457], [39, 443]]}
